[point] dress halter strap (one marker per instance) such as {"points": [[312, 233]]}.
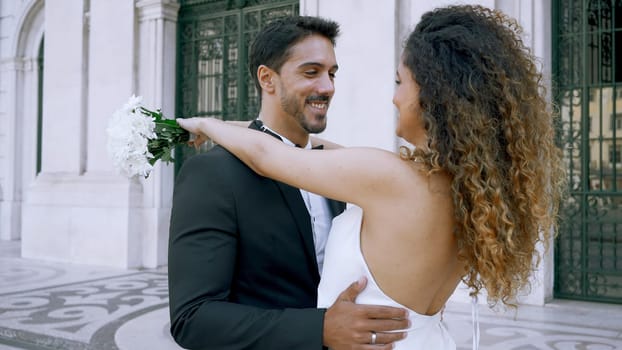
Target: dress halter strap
{"points": [[475, 318]]}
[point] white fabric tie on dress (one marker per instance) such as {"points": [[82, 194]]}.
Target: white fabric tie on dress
{"points": [[475, 318]]}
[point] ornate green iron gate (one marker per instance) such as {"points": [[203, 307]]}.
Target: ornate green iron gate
{"points": [[587, 43], [213, 40]]}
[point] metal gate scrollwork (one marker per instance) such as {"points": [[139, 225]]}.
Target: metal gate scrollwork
{"points": [[587, 43], [212, 74]]}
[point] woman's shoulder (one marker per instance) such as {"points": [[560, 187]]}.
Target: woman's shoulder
{"points": [[418, 183], [390, 163], [398, 180], [413, 194]]}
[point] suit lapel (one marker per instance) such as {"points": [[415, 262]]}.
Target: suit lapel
{"points": [[299, 212], [336, 207]]}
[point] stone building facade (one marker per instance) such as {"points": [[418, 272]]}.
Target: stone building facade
{"points": [[65, 66]]}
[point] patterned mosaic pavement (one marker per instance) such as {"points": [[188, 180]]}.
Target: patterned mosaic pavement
{"points": [[47, 306], [557, 326]]}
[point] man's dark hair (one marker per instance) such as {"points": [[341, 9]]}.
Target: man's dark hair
{"points": [[272, 44]]}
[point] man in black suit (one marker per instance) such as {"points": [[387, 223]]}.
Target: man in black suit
{"points": [[245, 252]]}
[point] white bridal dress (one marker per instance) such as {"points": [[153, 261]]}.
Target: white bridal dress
{"points": [[344, 263]]}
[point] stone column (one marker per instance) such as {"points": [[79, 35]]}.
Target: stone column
{"points": [[535, 18], [78, 209], [157, 25], [10, 155], [21, 30], [361, 112]]}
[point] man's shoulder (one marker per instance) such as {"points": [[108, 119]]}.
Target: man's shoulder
{"points": [[216, 153], [217, 158]]}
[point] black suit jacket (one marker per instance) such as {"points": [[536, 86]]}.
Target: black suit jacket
{"points": [[242, 266]]}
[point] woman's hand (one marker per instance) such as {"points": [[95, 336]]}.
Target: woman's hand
{"points": [[193, 125]]}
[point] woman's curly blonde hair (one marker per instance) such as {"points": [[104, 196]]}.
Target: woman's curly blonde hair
{"points": [[489, 126]]}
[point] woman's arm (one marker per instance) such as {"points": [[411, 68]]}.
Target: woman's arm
{"points": [[355, 175], [242, 123], [317, 141]]}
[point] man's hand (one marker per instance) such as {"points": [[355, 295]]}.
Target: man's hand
{"points": [[348, 325]]}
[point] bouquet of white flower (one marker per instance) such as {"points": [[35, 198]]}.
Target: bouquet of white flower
{"points": [[138, 137]]}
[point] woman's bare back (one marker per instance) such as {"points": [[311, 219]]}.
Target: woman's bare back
{"points": [[409, 245]]}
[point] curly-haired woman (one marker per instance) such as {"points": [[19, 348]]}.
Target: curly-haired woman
{"points": [[469, 202]]}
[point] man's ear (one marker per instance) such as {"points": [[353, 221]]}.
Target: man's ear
{"points": [[266, 77]]}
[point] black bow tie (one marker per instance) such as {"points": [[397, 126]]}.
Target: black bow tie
{"points": [[314, 147], [259, 124]]}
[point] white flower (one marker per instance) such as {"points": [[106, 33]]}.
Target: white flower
{"points": [[134, 102], [129, 131], [138, 137]]}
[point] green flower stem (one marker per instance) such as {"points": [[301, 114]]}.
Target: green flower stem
{"points": [[169, 134]]}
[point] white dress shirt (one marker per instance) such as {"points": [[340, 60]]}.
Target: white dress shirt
{"points": [[319, 213]]}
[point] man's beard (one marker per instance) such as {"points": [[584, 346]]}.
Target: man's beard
{"points": [[291, 106]]}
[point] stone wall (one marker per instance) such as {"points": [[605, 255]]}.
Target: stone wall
{"points": [[97, 53]]}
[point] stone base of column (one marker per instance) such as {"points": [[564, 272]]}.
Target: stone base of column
{"points": [[86, 219], [155, 236], [10, 212]]}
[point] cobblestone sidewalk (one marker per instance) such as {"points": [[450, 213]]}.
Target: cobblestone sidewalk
{"points": [[47, 305]]}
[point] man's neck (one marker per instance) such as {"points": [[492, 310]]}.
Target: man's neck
{"points": [[284, 125]]}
